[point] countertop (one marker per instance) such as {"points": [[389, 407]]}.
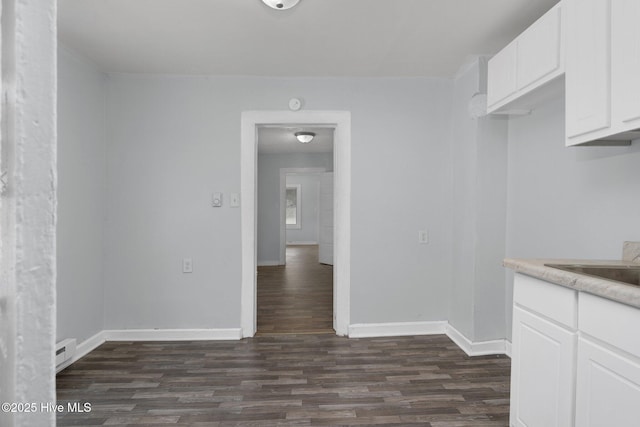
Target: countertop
{"points": [[615, 291]]}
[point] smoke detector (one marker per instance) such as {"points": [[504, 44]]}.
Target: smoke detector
{"points": [[280, 4]]}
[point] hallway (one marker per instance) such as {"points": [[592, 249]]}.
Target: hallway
{"points": [[298, 297]]}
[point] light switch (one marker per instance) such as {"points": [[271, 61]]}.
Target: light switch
{"points": [[423, 237], [234, 201], [216, 200], [187, 265]]}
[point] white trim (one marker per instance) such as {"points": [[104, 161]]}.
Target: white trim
{"points": [[396, 329], [173, 334], [342, 207], [481, 348], [303, 243], [283, 184], [268, 263], [84, 348], [359, 330]]}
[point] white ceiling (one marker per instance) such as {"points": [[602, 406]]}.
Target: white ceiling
{"points": [[315, 38], [281, 139]]}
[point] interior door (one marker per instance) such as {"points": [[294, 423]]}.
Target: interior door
{"points": [[325, 211]]}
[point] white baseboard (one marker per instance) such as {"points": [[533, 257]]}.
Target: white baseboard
{"points": [[268, 263], [366, 330], [84, 348], [483, 348], [302, 243], [173, 334], [101, 337], [360, 330], [479, 348]]}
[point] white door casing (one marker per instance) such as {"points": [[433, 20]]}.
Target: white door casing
{"points": [[325, 212], [342, 207]]}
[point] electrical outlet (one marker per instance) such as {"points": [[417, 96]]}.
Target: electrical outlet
{"points": [[187, 265], [423, 237]]}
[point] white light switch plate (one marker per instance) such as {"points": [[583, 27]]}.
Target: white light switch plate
{"points": [[423, 237], [234, 201], [216, 200]]}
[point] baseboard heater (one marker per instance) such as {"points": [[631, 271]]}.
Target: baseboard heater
{"points": [[65, 350]]}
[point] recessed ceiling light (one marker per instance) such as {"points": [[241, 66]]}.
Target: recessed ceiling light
{"points": [[280, 4], [304, 137]]}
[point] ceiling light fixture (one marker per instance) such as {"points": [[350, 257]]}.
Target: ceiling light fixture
{"points": [[304, 137], [280, 4]]}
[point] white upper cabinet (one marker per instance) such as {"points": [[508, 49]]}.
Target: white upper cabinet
{"points": [[535, 58], [502, 75], [625, 62], [588, 66], [539, 50], [602, 70]]}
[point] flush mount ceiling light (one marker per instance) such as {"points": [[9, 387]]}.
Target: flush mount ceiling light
{"points": [[304, 137], [280, 4]]}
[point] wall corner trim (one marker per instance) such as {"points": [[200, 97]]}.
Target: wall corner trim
{"points": [[479, 348], [507, 348], [366, 330]]}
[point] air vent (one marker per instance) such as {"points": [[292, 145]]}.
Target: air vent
{"points": [[65, 350]]}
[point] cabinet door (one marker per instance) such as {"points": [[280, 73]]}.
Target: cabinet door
{"points": [[542, 367], [625, 62], [588, 64], [502, 74], [539, 49], [608, 388]]}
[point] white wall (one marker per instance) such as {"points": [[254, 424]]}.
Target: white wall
{"points": [[310, 196], [268, 216], [578, 202], [81, 197], [479, 157], [28, 210], [174, 140]]}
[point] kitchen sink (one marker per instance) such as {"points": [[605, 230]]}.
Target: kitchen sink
{"points": [[627, 274]]}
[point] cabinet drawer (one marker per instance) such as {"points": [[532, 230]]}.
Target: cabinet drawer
{"points": [[610, 321], [553, 301]]}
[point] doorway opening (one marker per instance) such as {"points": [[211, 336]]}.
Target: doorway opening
{"points": [[295, 294], [252, 121]]}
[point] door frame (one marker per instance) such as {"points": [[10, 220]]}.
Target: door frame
{"points": [[341, 120]]}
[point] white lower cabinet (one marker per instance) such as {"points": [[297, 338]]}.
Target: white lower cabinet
{"points": [[575, 358], [542, 372], [608, 387]]}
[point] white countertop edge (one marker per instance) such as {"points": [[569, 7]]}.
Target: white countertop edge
{"points": [[615, 291]]}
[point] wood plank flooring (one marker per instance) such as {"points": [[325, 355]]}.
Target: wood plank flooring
{"points": [[288, 380], [298, 297]]}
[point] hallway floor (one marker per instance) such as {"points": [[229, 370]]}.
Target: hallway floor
{"points": [[298, 297]]}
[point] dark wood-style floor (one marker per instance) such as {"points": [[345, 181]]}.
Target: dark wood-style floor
{"points": [[298, 297], [287, 376], [288, 380]]}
